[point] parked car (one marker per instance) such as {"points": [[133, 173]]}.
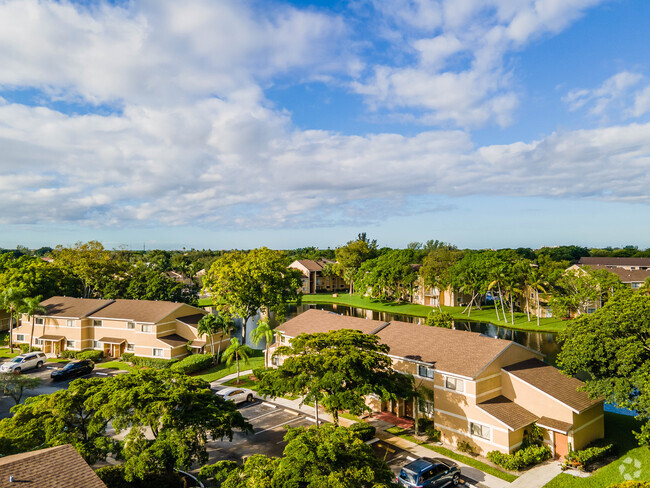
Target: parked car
{"points": [[236, 395], [73, 369], [24, 362], [428, 473]]}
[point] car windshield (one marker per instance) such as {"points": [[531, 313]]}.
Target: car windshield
{"points": [[17, 359], [70, 366], [408, 476]]}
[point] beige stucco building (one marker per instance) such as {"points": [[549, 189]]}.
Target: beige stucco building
{"points": [[144, 327], [486, 391], [433, 296], [313, 279]]}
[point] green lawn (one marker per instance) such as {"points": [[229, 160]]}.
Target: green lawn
{"points": [[120, 365], [221, 370], [485, 315], [618, 429], [205, 302], [470, 461], [244, 382], [5, 352]]}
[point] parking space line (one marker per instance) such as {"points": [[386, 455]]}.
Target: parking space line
{"points": [[269, 405], [263, 415], [276, 426]]}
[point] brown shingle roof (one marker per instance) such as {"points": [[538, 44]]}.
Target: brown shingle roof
{"points": [[311, 265], [72, 307], [452, 351], [508, 412], [112, 340], [556, 425], [551, 381], [148, 311], [192, 320], [56, 467], [626, 276], [589, 261], [174, 340]]}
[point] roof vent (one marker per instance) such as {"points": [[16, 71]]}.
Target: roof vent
{"points": [[380, 328], [11, 479]]}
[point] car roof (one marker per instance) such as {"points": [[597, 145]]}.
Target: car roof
{"points": [[418, 465], [225, 391]]}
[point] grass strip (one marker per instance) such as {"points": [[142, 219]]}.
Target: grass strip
{"points": [[486, 468]]}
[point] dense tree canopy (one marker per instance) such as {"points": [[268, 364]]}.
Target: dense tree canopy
{"points": [[350, 257], [612, 346], [329, 456], [389, 276], [337, 370]]}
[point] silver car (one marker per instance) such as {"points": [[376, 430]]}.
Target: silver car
{"points": [[23, 362], [236, 395]]}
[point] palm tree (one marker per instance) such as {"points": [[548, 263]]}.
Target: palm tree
{"points": [[226, 326], [536, 282], [12, 301], [208, 325], [32, 307], [236, 351], [266, 332], [421, 394]]}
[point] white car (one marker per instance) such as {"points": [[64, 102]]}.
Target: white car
{"points": [[236, 395], [23, 362]]}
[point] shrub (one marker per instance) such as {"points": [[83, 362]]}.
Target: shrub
{"points": [[434, 434], [520, 459], [113, 477], [424, 423], [191, 364], [96, 356], [69, 354], [363, 430], [464, 446], [583, 459], [24, 348], [439, 319], [631, 484], [127, 356], [155, 363]]}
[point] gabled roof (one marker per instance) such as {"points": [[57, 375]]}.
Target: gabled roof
{"points": [[626, 275], [589, 261], [451, 351], [55, 467], [191, 320], [147, 311], [310, 264], [174, 340], [552, 382], [508, 412], [69, 307]]}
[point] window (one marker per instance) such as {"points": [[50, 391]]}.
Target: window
{"points": [[70, 344], [20, 337], [145, 328], [425, 372], [426, 406], [39, 321], [97, 323], [478, 430], [96, 345], [130, 325], [69, 323], [454, 384], [275, 361], [157, 352], [591, 310], [130, 347], [636, 285], [38, 342]]}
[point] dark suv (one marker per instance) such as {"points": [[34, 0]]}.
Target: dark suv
{"points": [[428, 473], [73, 370]]}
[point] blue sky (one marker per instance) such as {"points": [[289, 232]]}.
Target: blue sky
{"points": [[234, 124]]}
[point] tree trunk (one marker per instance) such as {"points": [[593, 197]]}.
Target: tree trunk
{"points": [[11, 330], [335, 417], [316, 408], [212, 346], [31, 337], [266, 356], [243, 329], [502, 307], [416, 416], [237, 361], [496, 309], [538, 309], [527, 306], [512, 310]]}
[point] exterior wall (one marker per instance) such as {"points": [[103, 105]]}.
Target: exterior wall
{"points": [[533, 400], [587, 427]]}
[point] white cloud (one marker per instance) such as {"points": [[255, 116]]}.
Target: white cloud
{"points": [[479, 32], [613, 93]]}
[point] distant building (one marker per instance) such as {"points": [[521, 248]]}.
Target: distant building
{"points": [[314, 281], [55, 467]]}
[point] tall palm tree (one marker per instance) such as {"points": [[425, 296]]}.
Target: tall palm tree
{"points": [[32, 307], [266, 332], [537, 282], [226, 327], [235, 352], [12, 301], [421, 394], [208, 325]]}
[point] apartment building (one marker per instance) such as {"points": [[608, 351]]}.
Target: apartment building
{"points": [[487, 391], [313, 279], [433, 296], [143, 327]]}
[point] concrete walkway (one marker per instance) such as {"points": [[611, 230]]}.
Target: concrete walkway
{"points": [[538, 476]]}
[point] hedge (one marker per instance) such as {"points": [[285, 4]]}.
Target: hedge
{"points": [[113, 477], [363, 430], [128, 356], [522, 458], [87, 354], [588, 456], [155, 363], [25, 348], [191, 364]]}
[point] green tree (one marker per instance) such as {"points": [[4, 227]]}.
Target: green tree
{"points": [[389, 276], [32, 307], [235, 352], [421, 395], [537, 283], [612, 346], [265, 332], [209, 325], [337, 369], [435, 270], [12, 300], [15, 386], [329, 456], [438, 318], [244, 284], [577, 288], [350, 257]]}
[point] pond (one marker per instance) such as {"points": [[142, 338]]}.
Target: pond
{"points": [[543, 342]]}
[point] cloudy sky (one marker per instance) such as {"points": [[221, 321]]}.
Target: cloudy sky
{"points": [[217, 123]]}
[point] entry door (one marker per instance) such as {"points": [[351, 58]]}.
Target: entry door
{"points": [[561, 445], [408, 409]]}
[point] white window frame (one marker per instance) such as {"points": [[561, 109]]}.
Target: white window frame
{"points": [[427, 371], [20, 337], [426, 407], [148, 326], [154, 352], [69, 323], [481, 427], [38, 342], [39, 320], [130, 347], [98, 323], [456, 384], [130, 325], [70, 344], [96, 345]]}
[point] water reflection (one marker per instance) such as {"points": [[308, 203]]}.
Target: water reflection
{"points": [[538, 341]]}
